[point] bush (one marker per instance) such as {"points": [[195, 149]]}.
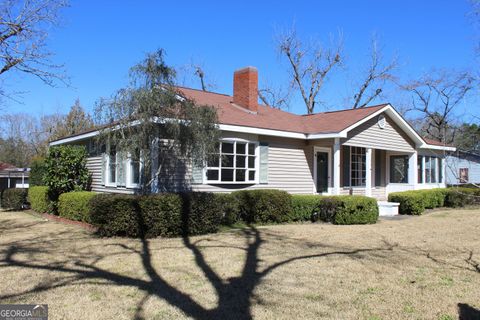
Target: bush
{"points": [[304, 207], [327, 209], [411, 202], [116, 215], [75, 205], [37, 172], [162, 215], [14, 199], [263, 206], [434, 198], [38, 199], [356, 210], [230, 205], [201, 213], [65, 170], [460, 197]]}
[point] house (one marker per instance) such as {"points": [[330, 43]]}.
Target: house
{"points": [[13, 177], [462, 167], [369, 151]]}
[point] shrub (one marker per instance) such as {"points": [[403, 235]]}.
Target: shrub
{"points": [[230, 205], [65, 170], [201, 213], [14, 199], [75, 205], [38, 198], [304, 207], [411, 202], [433, 198], [162, 215], [263, 206], [356, 210], [327, 209], [116, 215], [460, 197], [37, 172]]}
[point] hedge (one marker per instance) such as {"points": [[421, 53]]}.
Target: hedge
{"points": [[162, 215], [411, 202], [347, 210], [264, 206], [38, 199], [459, 197], [230, 205], [14, 199], [116, 215], [201, 213], [303, 207], [75, 205]]}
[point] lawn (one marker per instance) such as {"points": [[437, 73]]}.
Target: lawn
{"points": [[423, 267]]}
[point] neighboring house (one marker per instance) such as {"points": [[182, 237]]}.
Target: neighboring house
{"points": [[463, 167], [370, 151], [13, 177]]}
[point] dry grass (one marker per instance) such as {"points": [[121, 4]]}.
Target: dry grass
{"points": [[417, 268]]}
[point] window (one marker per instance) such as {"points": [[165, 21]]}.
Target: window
{"points": [[420, 169], [357, 167], [431, 165], [463, 176], [111, 167], [134, 167], [235, 162], [399, 169]]}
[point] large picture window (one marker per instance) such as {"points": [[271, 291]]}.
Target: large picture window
{"points": [[235, 162], [357, 167], [398, 169]]}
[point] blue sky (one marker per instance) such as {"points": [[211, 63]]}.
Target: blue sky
{"points": [[100, 40]]}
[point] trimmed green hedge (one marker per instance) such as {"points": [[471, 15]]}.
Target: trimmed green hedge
{"points": [[347, 210], [411, 202], [264, 206], [201, 213], [303, 207], [14, 199], [460, 196], [162, 215], [230, 205], [75, 205], [116, 215], [38, 199]]}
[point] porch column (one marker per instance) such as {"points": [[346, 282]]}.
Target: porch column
{"points": [[336, 166], [413, 170], [368, 172]]}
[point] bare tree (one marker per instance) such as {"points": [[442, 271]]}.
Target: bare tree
{"points": [[376, 76], [24, 29], [275, 97], [436, 96], [201, 75], [309, 65]]}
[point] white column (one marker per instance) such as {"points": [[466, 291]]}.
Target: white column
{"points": [[413, 170], [336, 166], [423, 169], [368, 172], [444, 170]]}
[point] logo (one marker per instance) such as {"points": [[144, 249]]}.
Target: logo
{"points": [[23, 312]]}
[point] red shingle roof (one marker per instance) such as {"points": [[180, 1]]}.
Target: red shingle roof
{"points": [[436, 142], [6, 166], [271, 118]]}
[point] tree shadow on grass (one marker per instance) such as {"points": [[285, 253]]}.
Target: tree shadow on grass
{"points": [[466, 312]]}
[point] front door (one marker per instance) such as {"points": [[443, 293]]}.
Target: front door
{"points": [[322, 172]]}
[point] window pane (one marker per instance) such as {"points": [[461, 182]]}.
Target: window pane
{"points": [[227, 147], [251, 162], [212, 175], [240, 163], [112, 168], [135, 170], [433, 171], [251, 148], [240, 175], [419, 169], [358, 166], [251, 175], [213, 161], [227, 174], [227, 161], [241, 148], [427, 170], [399, 169]]}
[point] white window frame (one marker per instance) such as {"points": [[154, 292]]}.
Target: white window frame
{"points": [[129, 172], [108, 171], [351, 167], [256, 167], [433, 162]]}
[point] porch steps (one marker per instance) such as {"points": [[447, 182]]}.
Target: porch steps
{"points": [[387, 209]]}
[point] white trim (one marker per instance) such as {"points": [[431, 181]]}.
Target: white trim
{"points": [[74, 138], [336, 166], [329, 162], [435, 147], [260, 131], [107, 171], [368, 172]]}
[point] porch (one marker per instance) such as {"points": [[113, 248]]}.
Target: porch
{"points": [[356, 169]]}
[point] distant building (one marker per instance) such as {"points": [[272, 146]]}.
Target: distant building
{"points": [[463, 167], [13, 177]]}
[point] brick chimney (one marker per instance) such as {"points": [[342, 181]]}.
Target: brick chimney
{"points": [[245, 88]]}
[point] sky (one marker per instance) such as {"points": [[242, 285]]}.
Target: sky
{"points": [[98, 41]]}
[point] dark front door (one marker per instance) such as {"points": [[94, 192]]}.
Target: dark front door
{"points": [[322, 171]]}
